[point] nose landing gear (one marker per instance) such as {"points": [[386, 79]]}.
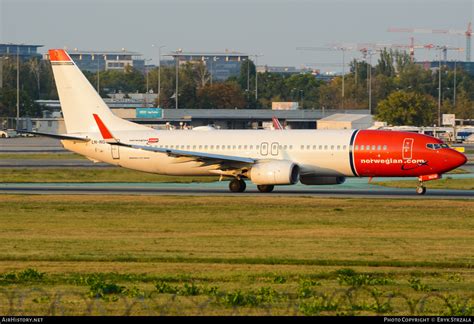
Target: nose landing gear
{"points": [[421, 190]]}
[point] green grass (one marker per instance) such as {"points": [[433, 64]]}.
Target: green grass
{"points": [[41, 156], [112, 174], [236, 255], [447, 183]]}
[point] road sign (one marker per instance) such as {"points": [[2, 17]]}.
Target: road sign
{"points": [[449, 120], [149, 113]]}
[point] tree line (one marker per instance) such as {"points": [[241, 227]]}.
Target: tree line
{"points": [[402, 92]]}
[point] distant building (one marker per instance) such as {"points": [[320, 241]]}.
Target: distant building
{"points": [[220, 65], [346, 121], [25, 51], [434, 65], [107, 60], [285, 70]]}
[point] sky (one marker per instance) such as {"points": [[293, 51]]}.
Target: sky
{"points": [[271, 28]]}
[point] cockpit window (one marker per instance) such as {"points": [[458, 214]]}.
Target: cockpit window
{"points": [[436, 146]]}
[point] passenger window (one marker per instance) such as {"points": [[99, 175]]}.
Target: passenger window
{"points": [[257, 147], [302, 147], [373, 147], [200, 147], [325, 147], [245, 147], [291, 147], [314, 147], [217, 147], [320, 147], [362, 147], [344, 147], [234, 147], [205, 147], [284, 147], [332, 147], [188, 147], [444, 145], [338, 147], [385, 147], [194, 147], [228, 147], [308, 147], [379, 147], [212, 147]]}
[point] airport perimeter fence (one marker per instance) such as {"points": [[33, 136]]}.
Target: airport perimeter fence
{"points": [[351, 301]]}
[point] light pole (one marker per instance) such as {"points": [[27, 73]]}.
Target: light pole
{"points": [[343, 73], [147, 83], [177, 78], [159, 71], [369, 80], [439, 92], [17, 86], [256, 75]]}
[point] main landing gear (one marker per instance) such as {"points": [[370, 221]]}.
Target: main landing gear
{"points": [[237, 185], [265, 188]]}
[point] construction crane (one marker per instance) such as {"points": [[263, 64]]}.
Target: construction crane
{"points": [[467, 33]]}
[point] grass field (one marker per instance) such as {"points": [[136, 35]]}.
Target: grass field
{"points": [[111, 174], [235, 255]]}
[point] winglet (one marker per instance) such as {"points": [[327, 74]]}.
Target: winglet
{"points": [[276, 123], [59, 55], [104, 131]]}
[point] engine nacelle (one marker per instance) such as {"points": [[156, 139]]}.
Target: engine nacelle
{"points": [[311, 179], [275, 172]]}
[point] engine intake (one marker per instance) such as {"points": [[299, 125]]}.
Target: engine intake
{"points": [[311, 179], [274, 172]]}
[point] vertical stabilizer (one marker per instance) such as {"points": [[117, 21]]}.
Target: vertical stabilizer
{"points": [[79, 100]]}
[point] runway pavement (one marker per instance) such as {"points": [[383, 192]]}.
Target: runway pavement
{"points": [[352, 188]]}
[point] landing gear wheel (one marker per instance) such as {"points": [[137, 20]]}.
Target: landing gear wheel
{"points": [[265, 188], [420, 190], [237, 185]]}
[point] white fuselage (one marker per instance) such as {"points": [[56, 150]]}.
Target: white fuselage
{"points": [[324, 153]]}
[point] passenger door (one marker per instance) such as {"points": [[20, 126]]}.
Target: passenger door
{"points": [[115, 152], [407, 150]]}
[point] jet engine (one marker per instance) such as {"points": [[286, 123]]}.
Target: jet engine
{"points": [[274, 172], [312, 179]]}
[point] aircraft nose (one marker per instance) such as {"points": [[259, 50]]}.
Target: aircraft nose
{"points": [[456, 159]]}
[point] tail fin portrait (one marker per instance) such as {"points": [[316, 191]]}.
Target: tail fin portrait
{"points": [[79, 100]]}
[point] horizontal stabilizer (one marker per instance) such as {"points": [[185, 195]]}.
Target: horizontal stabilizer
{"points": [[58, 136]]}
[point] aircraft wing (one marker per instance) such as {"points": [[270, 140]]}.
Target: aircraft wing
{"points": [[58, 136], [226, 161]]}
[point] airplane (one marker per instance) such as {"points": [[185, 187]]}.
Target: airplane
{"points": [[267, 158]]}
